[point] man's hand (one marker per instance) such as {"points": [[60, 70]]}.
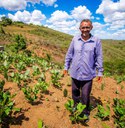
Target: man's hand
{"points": [[99, 79], [65, 72]]}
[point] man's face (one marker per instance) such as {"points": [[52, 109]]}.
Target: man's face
{"points": [[85, 28]]}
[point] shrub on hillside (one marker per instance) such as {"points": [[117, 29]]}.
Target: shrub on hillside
{"points": [[20, 43]]}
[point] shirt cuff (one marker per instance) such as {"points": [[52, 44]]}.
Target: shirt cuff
{"points": [[100, 73], [65, 68]]}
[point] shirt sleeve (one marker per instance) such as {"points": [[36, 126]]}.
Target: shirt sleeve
{"points": [[69, 55], [99, 59]]}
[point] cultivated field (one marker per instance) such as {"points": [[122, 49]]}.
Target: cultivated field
{"points": [[33, 91]]}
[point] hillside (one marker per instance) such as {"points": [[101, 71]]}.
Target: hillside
{"points": [[41, 40], [48, 41], [35, 76]]}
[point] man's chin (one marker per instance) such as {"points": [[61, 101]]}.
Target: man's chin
{"points": [[84, 34]]}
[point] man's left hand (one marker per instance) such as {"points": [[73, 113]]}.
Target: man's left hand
{"points": [[99, 79]]}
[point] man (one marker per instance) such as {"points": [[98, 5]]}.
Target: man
{"points": [[84, 59]]}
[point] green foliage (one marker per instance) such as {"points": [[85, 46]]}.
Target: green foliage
{"points": [[52, 37], [65, 92], [30, 93], [5, 21], [42, 77], [55, 77], [76, 115], [103, 113], [36, 70], [20, 66], [119, 110], [115, 67], [69, 105], [42, 86], [5, 64], [15, 77], [105, 125], [102, 86], [20, 43], [6, 103], [48, 57], [41, 124], [2, 30], [120, 78], [19, 24]]}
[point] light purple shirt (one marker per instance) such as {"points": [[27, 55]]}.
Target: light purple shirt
{"points": [[84, 58]]}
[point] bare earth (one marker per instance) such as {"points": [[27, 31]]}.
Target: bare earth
{"points": [[51, 107]]}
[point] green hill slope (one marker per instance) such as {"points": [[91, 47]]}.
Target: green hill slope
{"points": [[45, 41]]}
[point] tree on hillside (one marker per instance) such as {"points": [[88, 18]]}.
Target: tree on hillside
{"points": [[5, 21]]}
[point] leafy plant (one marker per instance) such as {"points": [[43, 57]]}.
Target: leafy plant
{"points": [[102, 86], [69, 106], [42, 77], [6, 103], [76, 115], [119, 110], [20, 66], [15, 77], [20, 42], [55, 77], [65, 92], [36, 70], [41, 124], [42, 86], [103, 113], [30, 93]]}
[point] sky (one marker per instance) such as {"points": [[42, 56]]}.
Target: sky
{"points": [[107, 16]]}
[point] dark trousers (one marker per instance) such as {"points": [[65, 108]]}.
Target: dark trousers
{"points": [[81, 93]]}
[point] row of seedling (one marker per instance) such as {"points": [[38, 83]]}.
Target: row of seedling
{"points": [[103, 113]]}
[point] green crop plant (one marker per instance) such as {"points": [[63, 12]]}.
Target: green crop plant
{"points": [[42, 86], [42, 77], [103, 113], [36, 70], [6, 103], [55, 78], [119, 110], [76, 115], [15, 77], [102, 86], [25, 76], [20, 66], [41, 124], [6, 65], [43, 64], [30, 93], [65, 92]]}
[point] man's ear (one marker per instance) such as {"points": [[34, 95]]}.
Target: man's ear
{"points": [[91, 27]]}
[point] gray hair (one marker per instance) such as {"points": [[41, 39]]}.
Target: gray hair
{"points": [[86, 20]]}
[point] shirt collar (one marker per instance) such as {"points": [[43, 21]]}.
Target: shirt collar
{"points": [[91, 39]]}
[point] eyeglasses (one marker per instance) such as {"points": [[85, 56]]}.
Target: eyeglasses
{"points": [[87, 27]]}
